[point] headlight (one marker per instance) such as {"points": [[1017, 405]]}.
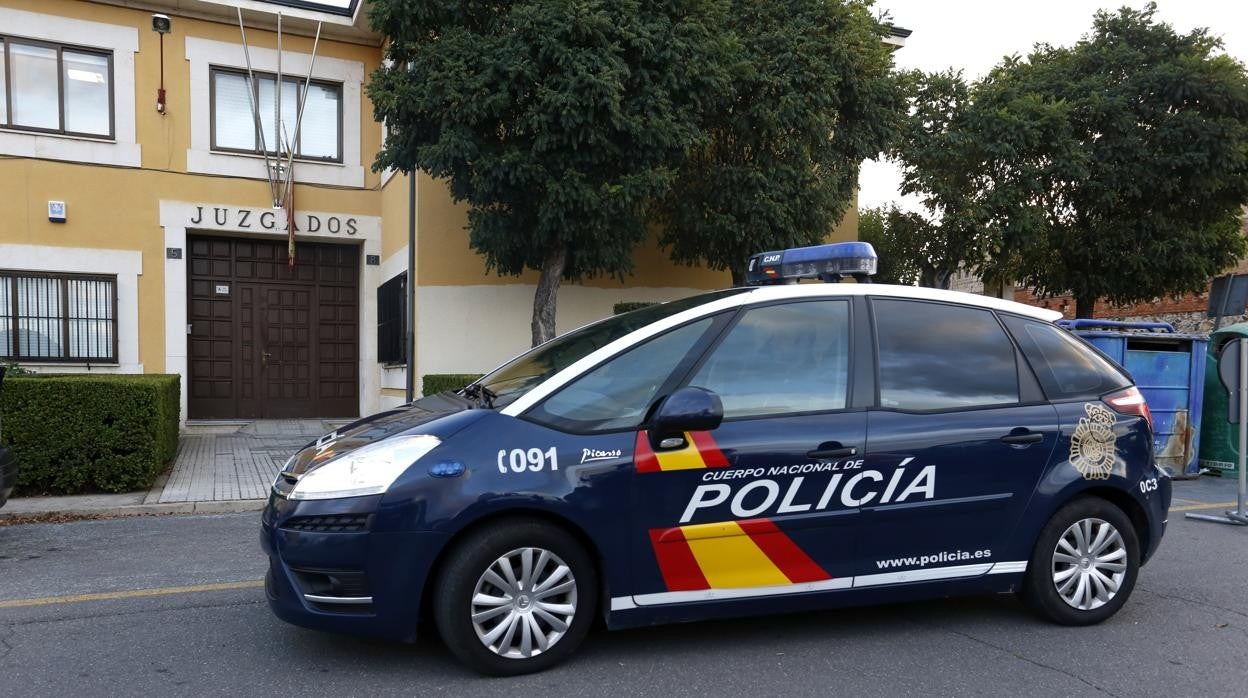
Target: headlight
{"points": [[367, 470]]}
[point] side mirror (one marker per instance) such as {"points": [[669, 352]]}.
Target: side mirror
{"points": [[687, 409]]}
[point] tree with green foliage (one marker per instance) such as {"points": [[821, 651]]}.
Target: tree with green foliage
{"points": [[812, 96], [1131, 174], [895, 243], [559, 123], [940, 156]]}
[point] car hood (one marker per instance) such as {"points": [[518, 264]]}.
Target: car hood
{"points": [[424, 413]]}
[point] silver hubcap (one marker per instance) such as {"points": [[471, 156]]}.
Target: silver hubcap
{"points": [[1089, 564], [523, 603]]}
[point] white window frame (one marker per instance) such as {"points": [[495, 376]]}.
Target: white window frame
{"points": [[58, 317], [127, 265], [123, 149], [203, 54]]}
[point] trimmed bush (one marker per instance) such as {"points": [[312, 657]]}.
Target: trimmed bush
{"points": [[630, 306], [90, 432], [434, 383]]}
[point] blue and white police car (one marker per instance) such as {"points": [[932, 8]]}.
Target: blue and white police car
{"points": [[774, 448]]}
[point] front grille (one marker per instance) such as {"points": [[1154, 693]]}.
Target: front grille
{"points": [[329, 523]]}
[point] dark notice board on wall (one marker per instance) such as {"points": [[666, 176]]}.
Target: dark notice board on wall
{"points": [[1228, 295]]}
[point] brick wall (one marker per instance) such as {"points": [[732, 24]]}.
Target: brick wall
{"points": [[1186, 312]]}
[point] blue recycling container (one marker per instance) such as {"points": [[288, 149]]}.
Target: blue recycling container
{"points": [[1169, 368]]}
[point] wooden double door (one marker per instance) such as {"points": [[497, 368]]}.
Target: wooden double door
{"points": [[267, 341]]}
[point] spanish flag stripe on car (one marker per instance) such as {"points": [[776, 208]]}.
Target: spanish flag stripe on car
{"points": [[734, 560], [680, 570], [792, 560], [705, 443], [731, 554], [699, 451], [644, 459]]}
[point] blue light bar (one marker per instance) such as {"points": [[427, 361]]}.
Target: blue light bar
{"points": [[825, 262]]}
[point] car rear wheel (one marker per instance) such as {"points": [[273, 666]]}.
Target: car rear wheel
{"points": [[1084, 565], [516, 597]]}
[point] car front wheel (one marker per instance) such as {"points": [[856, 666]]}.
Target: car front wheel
{"points": [[516, 597], [1084, 565]]}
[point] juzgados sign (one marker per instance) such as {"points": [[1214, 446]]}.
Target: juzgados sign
{"points": [[237, 218]]}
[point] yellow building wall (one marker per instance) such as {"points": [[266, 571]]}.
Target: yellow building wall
{"points": [[394, 215], [445, 257], [118, 207], [165, 138]]}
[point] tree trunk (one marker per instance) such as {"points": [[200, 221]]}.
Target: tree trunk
{"points": [[1084, 307], [738, 277], [547, 294]]}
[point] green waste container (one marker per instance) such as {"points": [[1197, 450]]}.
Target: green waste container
{"points": [[1219, 440]]}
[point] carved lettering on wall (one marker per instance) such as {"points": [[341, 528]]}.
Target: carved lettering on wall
{"points": [[237, 218]]}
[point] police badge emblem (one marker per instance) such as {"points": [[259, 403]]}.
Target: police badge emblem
{"points": [[1092, 450]]}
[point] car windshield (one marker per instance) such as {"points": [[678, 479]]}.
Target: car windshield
{"points": [[522, 373]]}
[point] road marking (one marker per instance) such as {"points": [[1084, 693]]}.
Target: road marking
{"points": [[132, 593], [1194, 507]]}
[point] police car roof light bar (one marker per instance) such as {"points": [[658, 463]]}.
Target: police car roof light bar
{"points": [[829, 263]]}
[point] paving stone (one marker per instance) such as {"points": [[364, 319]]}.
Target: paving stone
{"points": [[223, 465]]}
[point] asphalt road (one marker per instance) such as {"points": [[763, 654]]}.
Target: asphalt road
{"points": [[172, 606]]}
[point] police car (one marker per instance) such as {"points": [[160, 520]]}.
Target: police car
{"points": [[775, 448]]}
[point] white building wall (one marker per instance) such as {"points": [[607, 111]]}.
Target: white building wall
{"points": [[126, 264], [472, 329]]}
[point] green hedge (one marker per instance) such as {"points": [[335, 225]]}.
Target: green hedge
{"points": [[434, 383], [89, 432], [630, 306]]}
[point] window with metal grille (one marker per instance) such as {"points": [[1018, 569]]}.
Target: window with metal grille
{"points": [[392, 320], [54, 88], [58, 317]]}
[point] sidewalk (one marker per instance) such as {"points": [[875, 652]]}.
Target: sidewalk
{"points": [[220, 467]]}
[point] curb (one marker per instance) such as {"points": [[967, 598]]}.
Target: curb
{"points": [[225, 507]]}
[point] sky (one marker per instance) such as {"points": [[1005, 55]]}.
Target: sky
{"points": [[973, 35]]}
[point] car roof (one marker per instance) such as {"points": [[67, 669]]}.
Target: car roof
{"points": [[819, 290], [762, 294]]}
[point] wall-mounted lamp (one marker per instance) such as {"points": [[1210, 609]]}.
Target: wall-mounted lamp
{"points": [[161, 24]]}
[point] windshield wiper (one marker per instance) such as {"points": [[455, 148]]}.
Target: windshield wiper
{"points": [[480, 394]]}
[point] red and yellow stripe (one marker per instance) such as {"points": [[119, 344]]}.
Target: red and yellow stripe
{"points": [[700, 451], [731, 554]]}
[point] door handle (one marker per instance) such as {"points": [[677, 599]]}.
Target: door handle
{"points": [[1022, 437], [834, 450]]}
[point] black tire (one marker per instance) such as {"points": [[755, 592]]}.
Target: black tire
{"points": [[468, 561], [1040, 589]]}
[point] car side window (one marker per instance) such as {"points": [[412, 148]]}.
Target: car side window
{"points": [[616, 394], [1065, 367], [935, 356], [782, 359]]}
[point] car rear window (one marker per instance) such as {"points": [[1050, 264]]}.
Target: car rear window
{"points": [[1065, 366], [934, 356]]}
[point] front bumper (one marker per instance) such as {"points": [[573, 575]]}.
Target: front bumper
{"points": [[330, 570]]}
